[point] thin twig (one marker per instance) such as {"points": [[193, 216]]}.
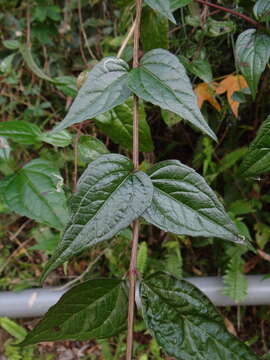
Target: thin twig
{"points": [[83, 31], [80, 277], [125, 42], [135, 232], [235, 13]]}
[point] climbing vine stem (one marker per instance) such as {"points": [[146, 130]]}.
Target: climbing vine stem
{"points": [[135, 231]]}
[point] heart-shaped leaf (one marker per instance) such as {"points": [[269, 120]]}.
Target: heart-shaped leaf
{"points": [[105, 88], [252, 54], [109, 196], [162, 80], [185, 323], [35, 191], [118, 125], [96, 309], [163, 7], [183, 203], [257, 159]]}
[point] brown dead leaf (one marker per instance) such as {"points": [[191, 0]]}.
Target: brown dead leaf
{"points": [[206, 92], [231, 84]]}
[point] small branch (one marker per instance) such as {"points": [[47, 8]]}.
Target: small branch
{"points": [[84, 34], [125, 42], [235, 13], [135, 232]]}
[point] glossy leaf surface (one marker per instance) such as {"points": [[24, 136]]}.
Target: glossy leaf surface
{"points": [[21, 132], [163, 7], [90, 148], [162, 80], [185, 323], [262, 10], [95, 309], [35, 191], [109, 197], [183, 203], [60, 139], [118, 125], [257, 159], [104, 89], [252, 55]]}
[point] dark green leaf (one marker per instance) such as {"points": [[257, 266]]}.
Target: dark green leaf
{"points": [[163, 7], [104, 89], [21, 132], [252, 55], [176, 4], [118, 125], [184, 322], [154, 30], [95, 309], [184, 204], [90, 148], [161, 79], [262, 10], [199, 67], [109, 196], [257, 159], [35, 191]]}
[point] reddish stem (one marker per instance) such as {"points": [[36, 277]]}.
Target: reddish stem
{"points": [[235, 13], [135, 232]]}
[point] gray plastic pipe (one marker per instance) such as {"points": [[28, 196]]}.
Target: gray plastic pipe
{"points": [[35, 302]]}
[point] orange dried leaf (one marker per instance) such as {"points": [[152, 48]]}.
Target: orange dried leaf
{"points": [[205, 92], [231, 84]]}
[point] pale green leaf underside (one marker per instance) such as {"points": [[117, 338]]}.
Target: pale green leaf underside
{"points": [[105, 88], [163, 7], [257, 160], [252, 55], [118, 125], [34, 192], [162, 80], [262, 10], [183, 203], [184, 322], [95, 309], [109, 196]]}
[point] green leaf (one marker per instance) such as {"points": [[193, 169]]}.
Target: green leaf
{"points": [[30, 62], [257, 159], [60, 139], [185, 323], [109, 196], [118, 125], [184, 204], [35, 192], [21, 132], [11, 44], [12, 328], [234, 280], [90, 148], [262, 10], [105, 88], [161, 80], [96, 309], [198, 67], [154, 30], [252, 56], [176, 4], [163, 7]]}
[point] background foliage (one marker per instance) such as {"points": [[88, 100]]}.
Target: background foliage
{"points": [[46, 49]]}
